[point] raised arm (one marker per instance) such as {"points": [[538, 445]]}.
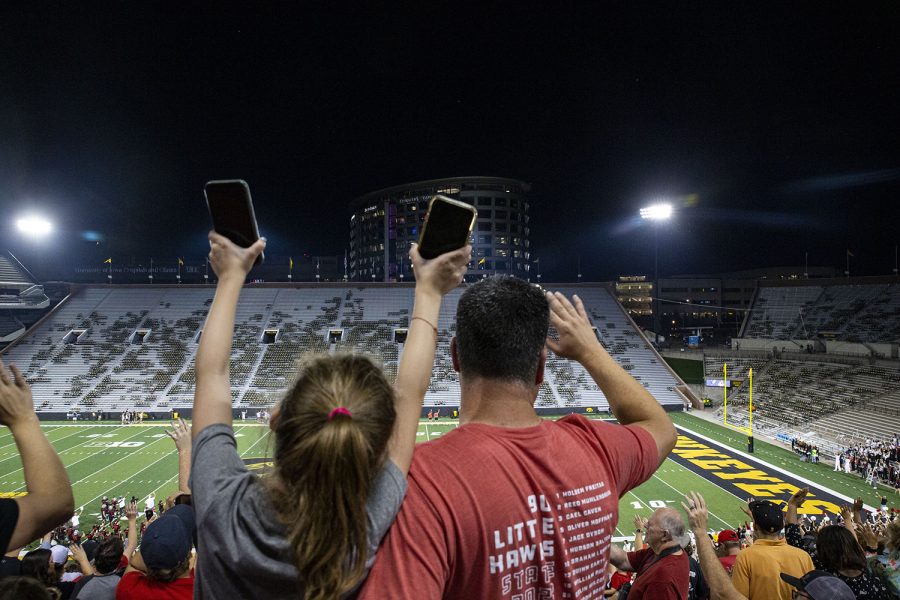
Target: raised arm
{"points": [[640, 525], [181, 435], [212, 395], [434, 278], [131, 512], [793, 504], [49, 500], [619, 558], [720, 585], [629, 400]]}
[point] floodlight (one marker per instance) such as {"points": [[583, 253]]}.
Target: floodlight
{"points": [[36, 226], [657, 212]]}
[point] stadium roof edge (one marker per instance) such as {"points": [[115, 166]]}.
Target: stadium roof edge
{"points": [[819, 282], [369, 196]]}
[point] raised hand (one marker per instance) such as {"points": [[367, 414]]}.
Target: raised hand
{"points": [[576, 336], [440, 274], [16, 404], [640, 522], [697, 512], [131, 511], [799, 497], [227, 258], [181, 434]]}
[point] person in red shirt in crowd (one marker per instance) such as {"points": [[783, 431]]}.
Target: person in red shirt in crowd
{"points": [[729, 543], [662, 568], [162, 569], [509, 505]]}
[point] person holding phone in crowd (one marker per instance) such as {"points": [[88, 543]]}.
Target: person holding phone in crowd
{"points": [[343, 442]]}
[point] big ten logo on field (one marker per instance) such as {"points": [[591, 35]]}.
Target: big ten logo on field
{"points": [[114, 445]]}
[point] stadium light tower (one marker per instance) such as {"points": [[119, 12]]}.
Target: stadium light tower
{"points": [[34, 226], [657, 214]]}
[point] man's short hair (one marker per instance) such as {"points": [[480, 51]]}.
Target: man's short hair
{"points": [[501, 327], [109, 555]]}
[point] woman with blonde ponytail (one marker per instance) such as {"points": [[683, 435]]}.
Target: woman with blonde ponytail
{"points": [[343, 442]]}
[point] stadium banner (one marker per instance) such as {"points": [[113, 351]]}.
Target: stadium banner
{"points": [[745, 476]]}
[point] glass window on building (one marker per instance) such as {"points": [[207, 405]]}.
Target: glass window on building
{"points": [[517, 254], [499, 201], [484, 239], [513, 203], [502, 252], [500, 214], [484, 213], [517, 241], [483, 226], [483, 201], [500, 226], [500, 264]]}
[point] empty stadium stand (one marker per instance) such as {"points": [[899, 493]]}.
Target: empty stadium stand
{"points": [[109, 348], [834, 403], [853, 313]]}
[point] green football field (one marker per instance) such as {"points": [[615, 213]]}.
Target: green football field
{"points": [[115, 460]]}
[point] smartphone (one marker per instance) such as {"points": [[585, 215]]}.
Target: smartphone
{"points": [[232, 213], [447, 226]]}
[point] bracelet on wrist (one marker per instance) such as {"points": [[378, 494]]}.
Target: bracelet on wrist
{"points": [[639, 531]]}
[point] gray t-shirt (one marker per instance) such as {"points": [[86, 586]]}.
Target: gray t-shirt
{"points": [[242, 551]]}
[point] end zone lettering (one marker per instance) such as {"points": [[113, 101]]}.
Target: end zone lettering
{"points": [[743, 476]]}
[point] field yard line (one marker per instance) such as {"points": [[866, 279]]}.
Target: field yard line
{"points": [[773, 467], [72, 448], [427, 434], [721, 520], [13, 443], [242, 454], [129, 455], [133, 475]]}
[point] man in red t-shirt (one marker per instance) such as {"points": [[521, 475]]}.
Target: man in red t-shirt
{"points": [[662, 568], [509, 505], [162, 569], [729, 541]]}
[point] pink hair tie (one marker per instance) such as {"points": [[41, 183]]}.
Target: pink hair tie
{"points": [[340, 410]]}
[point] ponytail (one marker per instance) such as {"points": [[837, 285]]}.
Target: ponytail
{"points": [[331, 432]]}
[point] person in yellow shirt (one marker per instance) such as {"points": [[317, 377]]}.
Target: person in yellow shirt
{"points": [[757, 569]]}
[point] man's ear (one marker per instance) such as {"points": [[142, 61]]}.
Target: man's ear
{"points": [[542, 362], [453, 354]]}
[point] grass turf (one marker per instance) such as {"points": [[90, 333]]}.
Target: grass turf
{"points": [[110, 459]]}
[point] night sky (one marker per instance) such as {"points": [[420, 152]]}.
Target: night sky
{"points": [[776, 130]]}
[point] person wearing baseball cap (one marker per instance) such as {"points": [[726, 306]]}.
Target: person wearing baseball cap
{"points": [[758, 570], [729, 541], [820, 585], [162, 566]]}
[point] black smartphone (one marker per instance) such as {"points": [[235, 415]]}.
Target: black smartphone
{"points": [[447, 226], [232, 213]]}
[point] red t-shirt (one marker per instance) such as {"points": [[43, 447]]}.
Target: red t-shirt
{"points": [[134, 585], [619, 579], [728, 562], [505, 513], [665, 579]]}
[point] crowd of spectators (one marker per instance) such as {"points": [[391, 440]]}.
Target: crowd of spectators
{"points": [[878, 461], [807, 451], [477, 519]]}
